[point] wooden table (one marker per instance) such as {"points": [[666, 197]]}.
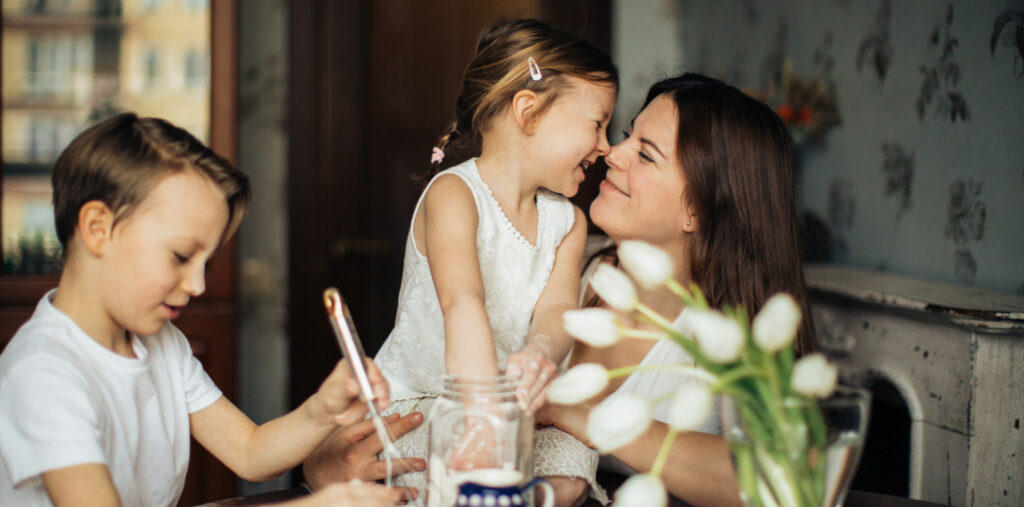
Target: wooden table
{"points": [[853, 499]]}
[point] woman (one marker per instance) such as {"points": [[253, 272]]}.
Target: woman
{"points": [[706, 174]]}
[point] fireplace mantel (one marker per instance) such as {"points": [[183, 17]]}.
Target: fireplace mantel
{"points": [[956, 356]]}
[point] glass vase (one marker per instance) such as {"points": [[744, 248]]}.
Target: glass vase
{"points": [[796, 452]]}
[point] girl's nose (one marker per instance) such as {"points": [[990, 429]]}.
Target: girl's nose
{"points": [[603, 147]]}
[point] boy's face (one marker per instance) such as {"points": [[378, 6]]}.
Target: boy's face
{"points": [[156, 259]]}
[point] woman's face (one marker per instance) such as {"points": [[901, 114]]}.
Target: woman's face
{"points": [[642, 194]]}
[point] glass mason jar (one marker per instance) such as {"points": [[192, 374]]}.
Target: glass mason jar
{"points": [[476, 428]]}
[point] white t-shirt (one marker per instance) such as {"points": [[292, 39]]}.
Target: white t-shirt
{"points": [[66, 400]]}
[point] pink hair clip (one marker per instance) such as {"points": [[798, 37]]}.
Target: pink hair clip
{"points": [[436, 155], [534, 69]]}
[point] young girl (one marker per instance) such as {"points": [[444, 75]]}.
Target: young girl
{"points": [[492, 259]]}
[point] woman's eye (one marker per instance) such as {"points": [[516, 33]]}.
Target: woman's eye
{"points": [[645, 157], [182, 259]]}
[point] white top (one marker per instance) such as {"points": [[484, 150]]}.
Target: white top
{"points": [[653, 384], [66, 400], [514, 273]]}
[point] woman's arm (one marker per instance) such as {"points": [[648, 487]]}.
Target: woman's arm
{"points": [[259, 453], [547, 342], [698, 470], [449, 238]]}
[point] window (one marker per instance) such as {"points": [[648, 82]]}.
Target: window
{"points": [[68, 64]]}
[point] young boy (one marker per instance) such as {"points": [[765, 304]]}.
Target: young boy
{"points": [[98, 390]]}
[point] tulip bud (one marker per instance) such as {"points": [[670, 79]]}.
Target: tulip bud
{"points": [[720, 338], [648, 264], [641, 490], [594, 326], [617, 421], [691, 406], [776, 324], [614, 287], [814, 376], [579, 383]]}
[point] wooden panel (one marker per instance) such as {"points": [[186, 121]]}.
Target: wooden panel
{"points": [[211, 329]]}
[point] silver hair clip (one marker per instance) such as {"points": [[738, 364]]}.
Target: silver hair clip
{"points": [[534, 69]]}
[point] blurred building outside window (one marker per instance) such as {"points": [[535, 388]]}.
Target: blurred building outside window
{"points": [[68, 64]]}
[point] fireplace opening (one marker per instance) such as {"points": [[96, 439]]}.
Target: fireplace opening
{"points": [[885, 460]]}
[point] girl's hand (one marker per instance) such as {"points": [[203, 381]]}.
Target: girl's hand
{"points": [[339, 395], [535, 371]]}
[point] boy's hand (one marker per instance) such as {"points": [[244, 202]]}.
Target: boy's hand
{"points": [[534, 371], [339, 394]]}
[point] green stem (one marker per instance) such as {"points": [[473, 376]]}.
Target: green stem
{"points": [[692, 371], [641, 333], [646, 311], [739, 373], [666, 445]]}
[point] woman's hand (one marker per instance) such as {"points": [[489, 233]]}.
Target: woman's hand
{"points": [[353, 493], [534, 370], [338, 396], [351, 453]]}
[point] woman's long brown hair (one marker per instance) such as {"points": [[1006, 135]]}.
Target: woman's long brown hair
{"points": [[737, 160]]}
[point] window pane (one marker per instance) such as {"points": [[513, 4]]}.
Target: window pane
{"points": [[70, 63]]}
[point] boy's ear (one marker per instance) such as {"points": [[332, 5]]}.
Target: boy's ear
{"points": [[95, 226], [525, 104]]}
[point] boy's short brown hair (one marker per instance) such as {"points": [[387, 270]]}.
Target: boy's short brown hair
{"points": [[119, 160]]}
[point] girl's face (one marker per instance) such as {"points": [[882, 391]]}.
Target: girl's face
{"points": [[572, 133], [642, 194]]}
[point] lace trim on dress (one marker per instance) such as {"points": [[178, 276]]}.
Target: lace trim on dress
{"points": [[508, 223]]}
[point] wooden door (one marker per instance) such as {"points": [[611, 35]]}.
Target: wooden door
{"points": [[372, 85]]}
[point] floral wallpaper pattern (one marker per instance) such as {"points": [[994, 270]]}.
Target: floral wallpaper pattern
{"points": [[923, 177]]}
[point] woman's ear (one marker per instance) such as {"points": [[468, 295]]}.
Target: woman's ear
{"points": [[525, 104], [95, 226], [690, 218]]}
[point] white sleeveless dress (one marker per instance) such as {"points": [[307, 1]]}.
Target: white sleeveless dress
{"points": [[514, 274]]}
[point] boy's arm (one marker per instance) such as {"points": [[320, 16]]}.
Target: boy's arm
{"points": [[450, 217], [259, 453], [547, 342], [84, 485]]}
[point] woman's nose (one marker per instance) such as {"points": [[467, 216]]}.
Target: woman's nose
{"points": [[614, 158]]}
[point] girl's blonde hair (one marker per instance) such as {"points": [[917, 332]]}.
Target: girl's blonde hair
{"points": [[500, 68]]}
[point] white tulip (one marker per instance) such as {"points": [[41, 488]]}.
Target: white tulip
{"points": [[641, 490], [814, 376], [720, 338], [578, 384], [691, 406], [776, 324], [648, 264], [594, 326], [614, 287], [617, 421]]}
